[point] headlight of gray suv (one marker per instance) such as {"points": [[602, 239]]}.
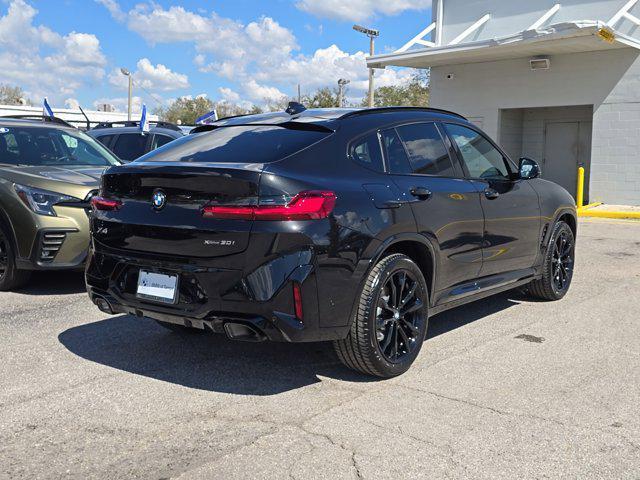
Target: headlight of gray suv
{"points": [[41, 201]]}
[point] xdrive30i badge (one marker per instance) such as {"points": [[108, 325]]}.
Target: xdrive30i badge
{"points": [[159, 199]]}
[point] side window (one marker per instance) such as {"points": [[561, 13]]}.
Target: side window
{"points": [[427, 152], [130, 146], [481, 158], [394, 150], [160, 140], [105, 139], [366, 152]]}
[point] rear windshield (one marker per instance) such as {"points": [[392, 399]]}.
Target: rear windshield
{"points": [[236, 144], [36, 146]]}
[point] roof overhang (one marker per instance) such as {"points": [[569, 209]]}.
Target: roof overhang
{"points": [[562, 38]]}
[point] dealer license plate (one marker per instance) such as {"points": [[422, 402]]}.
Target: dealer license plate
{"points": [[157, 287]]}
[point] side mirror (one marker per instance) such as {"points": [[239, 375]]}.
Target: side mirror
{"points": [[529, 169]]}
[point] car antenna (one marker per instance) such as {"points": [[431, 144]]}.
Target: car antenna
{"points": [[87, 118], [295, 108]]}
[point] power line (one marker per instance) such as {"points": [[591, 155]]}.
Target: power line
{"points": [[159, 103]]}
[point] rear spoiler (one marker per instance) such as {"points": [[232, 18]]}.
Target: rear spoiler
{"points": [[290, 125]]}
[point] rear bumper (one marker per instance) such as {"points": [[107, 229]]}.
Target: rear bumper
{"points": [[255, 305]]}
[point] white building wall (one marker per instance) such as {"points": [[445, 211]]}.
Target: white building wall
{"points": [[608, 80]]}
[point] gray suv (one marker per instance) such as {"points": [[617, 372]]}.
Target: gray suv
{"points": [[125, 140]]}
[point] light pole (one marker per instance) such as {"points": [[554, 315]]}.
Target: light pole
{"points": [[372, 34], [127, 73], [341, 84]]}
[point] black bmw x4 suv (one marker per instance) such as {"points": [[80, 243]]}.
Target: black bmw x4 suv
{"points": [[351, 226]]}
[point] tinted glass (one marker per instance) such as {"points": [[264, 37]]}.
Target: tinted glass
{"points": [[367, 153], [394, 150], [130, 146], [481, 158], [427, 153], [105, 139], [237, 144], [47, 146], [160, 140]]}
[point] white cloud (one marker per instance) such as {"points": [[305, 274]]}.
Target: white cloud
{"points": [[261, 56], [259, 93], [42, 61], [152, 77], [229, 95], [114, 9], [72, 103], [359, 10]]}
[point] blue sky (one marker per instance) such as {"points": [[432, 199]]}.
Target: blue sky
{"points": [[244, 51]]}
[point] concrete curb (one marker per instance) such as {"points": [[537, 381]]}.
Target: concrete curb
{"points": [[589, 211]]}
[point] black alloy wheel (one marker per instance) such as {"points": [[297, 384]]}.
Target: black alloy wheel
{"points": [[557, 268], [4, 256], [562, 261], [391, 319], [399, 316]]}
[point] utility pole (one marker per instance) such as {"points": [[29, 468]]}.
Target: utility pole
{"points": [[341, 84], [372, 34], [127, 73]]}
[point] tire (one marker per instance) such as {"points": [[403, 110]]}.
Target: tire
{"points": [[10, 277], [382, 323], [557, 269], [175, 328]]}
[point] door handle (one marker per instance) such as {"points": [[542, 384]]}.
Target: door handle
{"points": [[420, 192], [491, 194]]}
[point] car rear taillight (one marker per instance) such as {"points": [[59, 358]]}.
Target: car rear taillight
{"points": [[309, 205], [105, 204], [297, 300]]}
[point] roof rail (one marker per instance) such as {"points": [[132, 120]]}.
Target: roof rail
{"points": [[366, 111], [136, 123], [42, 118]]}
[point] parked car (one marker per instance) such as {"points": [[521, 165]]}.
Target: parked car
{"points": [[48, 172], [353, 226], [126, 141]]}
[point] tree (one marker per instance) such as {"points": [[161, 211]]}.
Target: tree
{"points": [[415, 93], [186, 110], [322, 98], [13, 95]]}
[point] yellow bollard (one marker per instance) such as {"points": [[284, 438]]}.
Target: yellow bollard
{"points": [[580, 189]]}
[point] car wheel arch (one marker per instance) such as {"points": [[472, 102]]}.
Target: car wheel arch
{"points": [[415, 246], [7, 225]]}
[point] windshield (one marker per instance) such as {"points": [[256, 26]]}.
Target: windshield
{"points": [[236, 144], [44, 146]]}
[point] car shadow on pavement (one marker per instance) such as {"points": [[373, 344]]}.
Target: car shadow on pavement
{"points": [[202, 360], [461, 316], [62, 282], [212, 362]]}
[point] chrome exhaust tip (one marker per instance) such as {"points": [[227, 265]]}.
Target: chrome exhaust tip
{"points": [[103, 305], [243, 332]]}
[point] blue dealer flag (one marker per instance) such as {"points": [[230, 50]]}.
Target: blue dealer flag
{"points": [[207, 118], [46, 109], [144, 122]]}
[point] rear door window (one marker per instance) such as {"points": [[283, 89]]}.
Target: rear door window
{"points": [[397, 159], [366, 152], [160, 140], [426, 150], [238, 144], [130, 146], [105, 139]]}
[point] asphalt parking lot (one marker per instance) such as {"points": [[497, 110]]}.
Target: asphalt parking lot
{"points": [[504, 388]]}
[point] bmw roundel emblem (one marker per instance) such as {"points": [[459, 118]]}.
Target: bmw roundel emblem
{"points": [[159, 199]]}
